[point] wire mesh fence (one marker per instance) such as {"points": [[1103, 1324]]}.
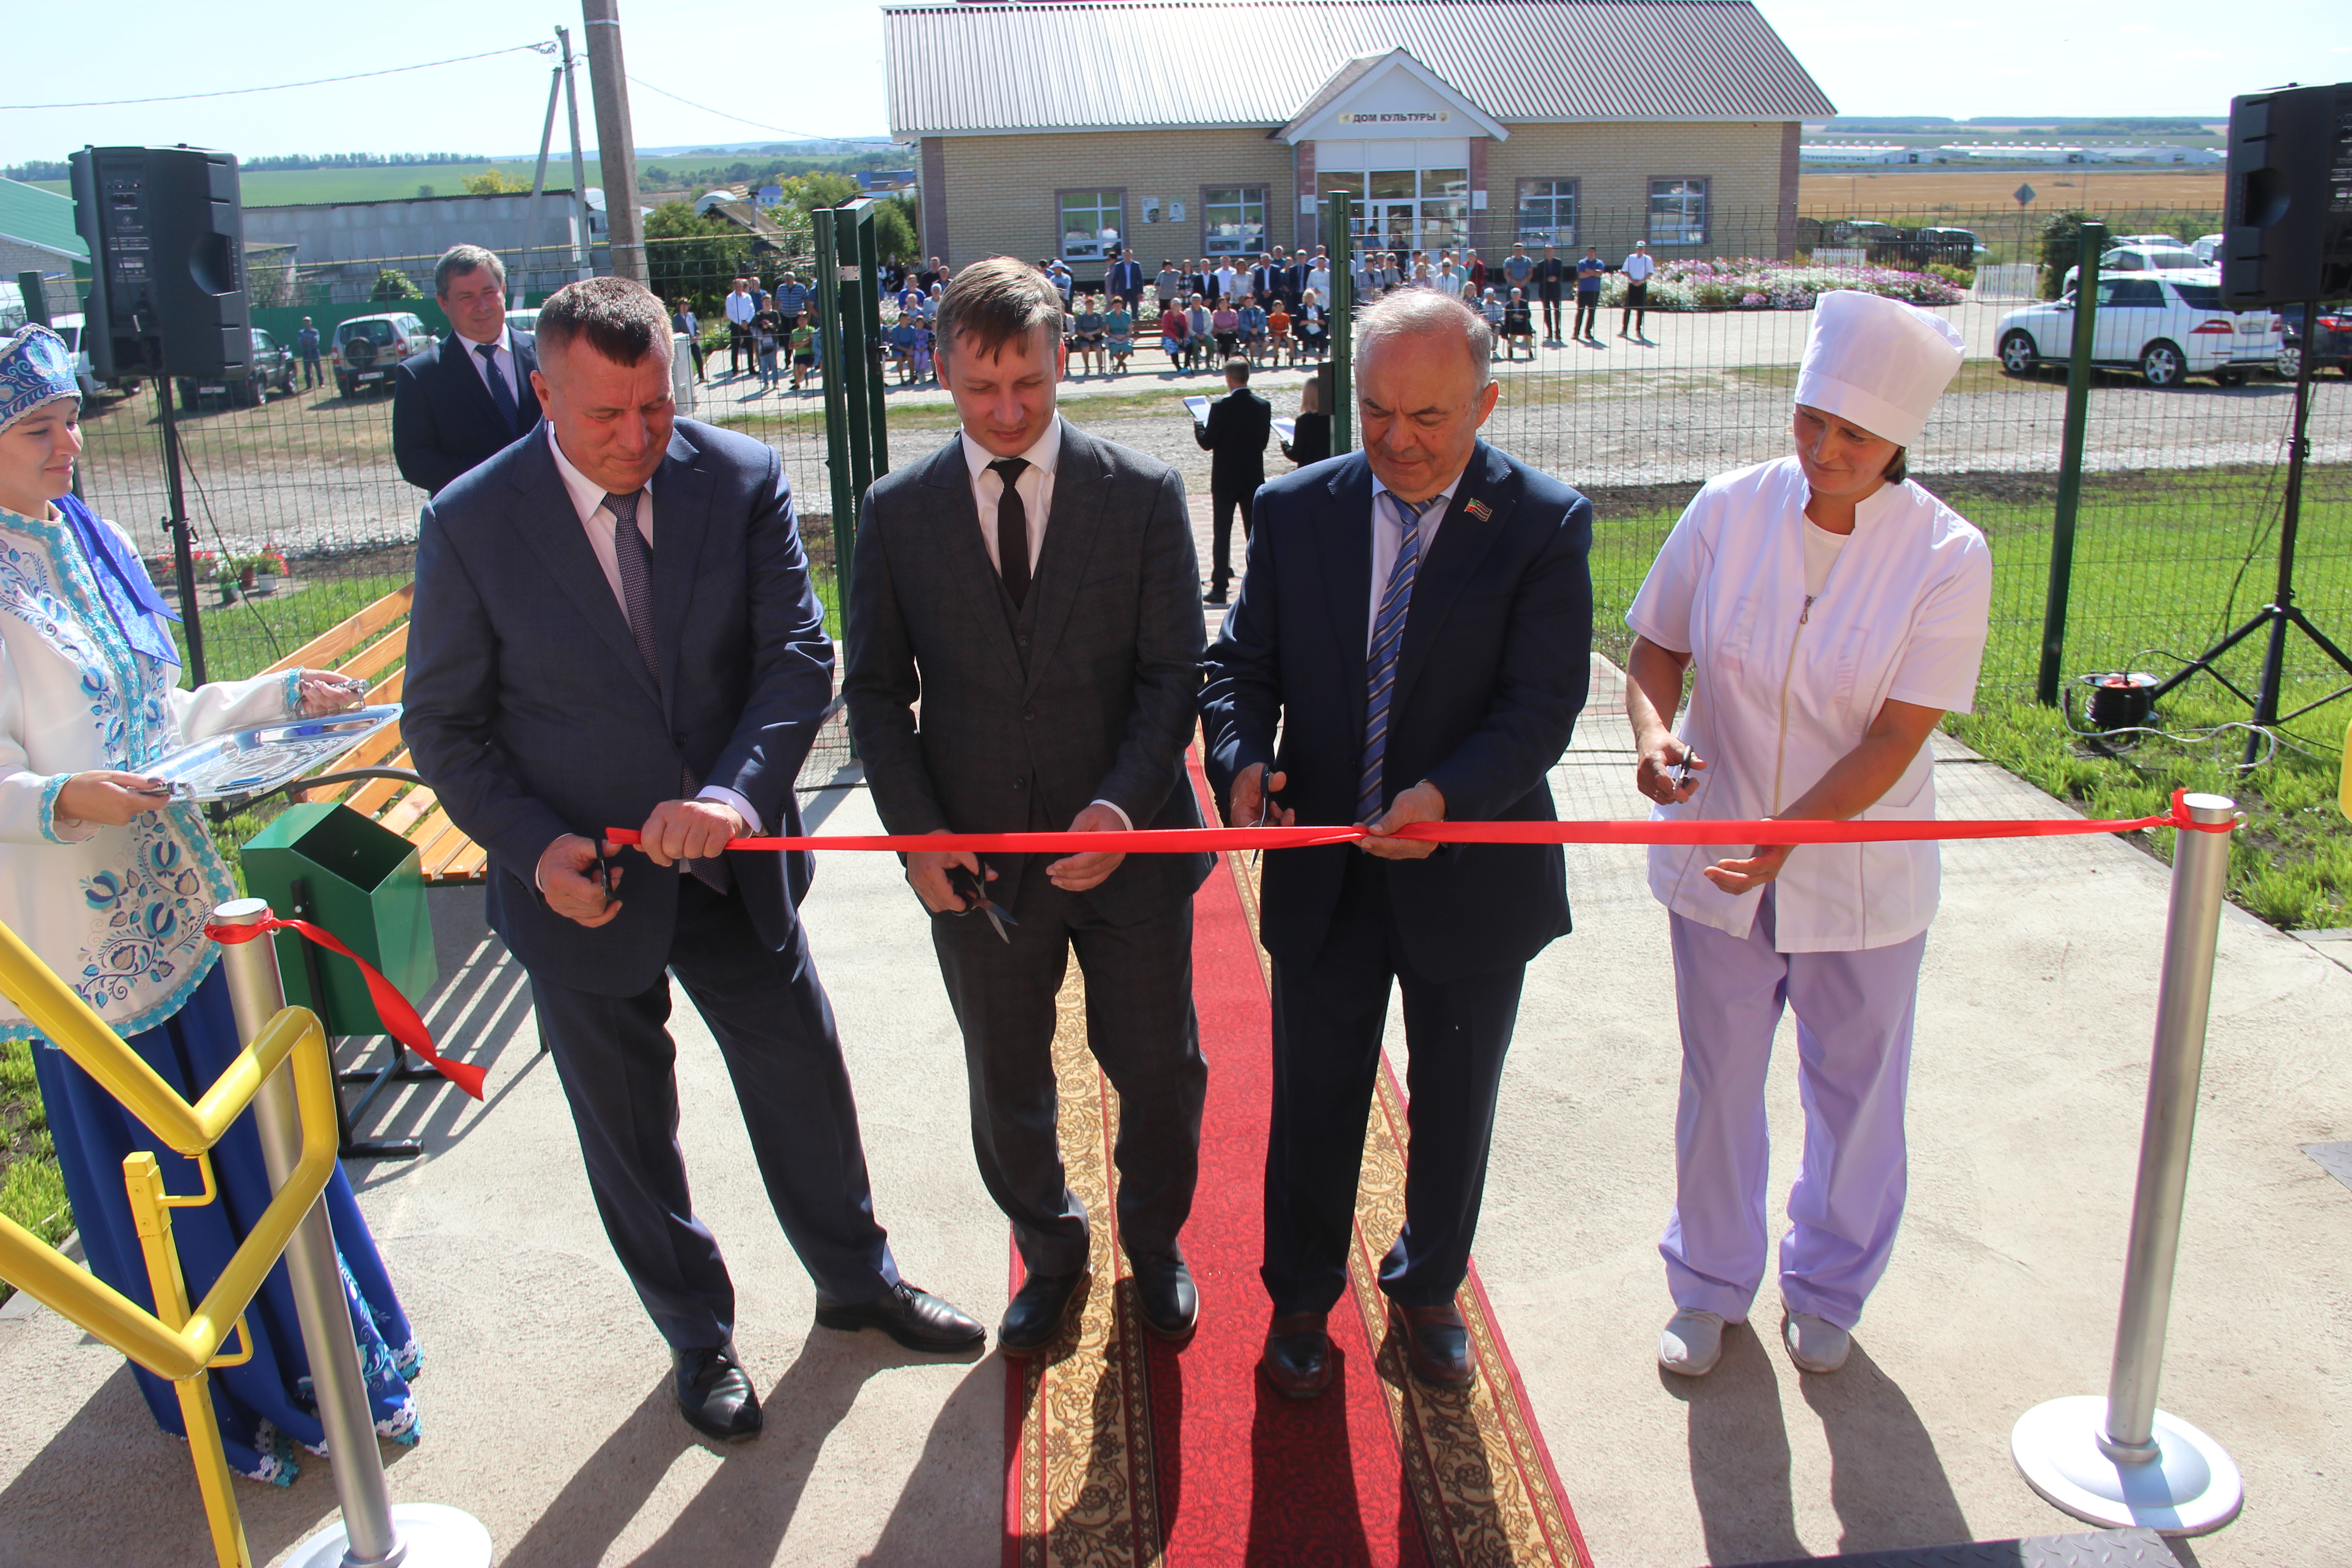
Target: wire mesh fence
{"points": [[293, 479]]}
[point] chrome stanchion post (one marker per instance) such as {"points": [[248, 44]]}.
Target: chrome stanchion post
{"points": [[2120, 1461], [372, 1533]]}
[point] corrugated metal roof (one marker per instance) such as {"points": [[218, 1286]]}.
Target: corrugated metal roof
{"points": [[1005, 66], [40, 218]]}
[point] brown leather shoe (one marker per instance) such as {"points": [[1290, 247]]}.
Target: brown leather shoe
{"points": [[1436, 1345], [1297, 1359]]}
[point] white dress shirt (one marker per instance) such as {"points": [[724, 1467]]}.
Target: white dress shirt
{"points": [[1388, 539], [597, 521], [1035, 488], [504, 359], [1788, 679], [740, 308]]}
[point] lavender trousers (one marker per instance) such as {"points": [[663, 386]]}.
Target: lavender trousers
{"points": [[1855, 1013]]}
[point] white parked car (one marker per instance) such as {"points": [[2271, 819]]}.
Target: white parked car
{"points": [[2207, 246], [2169, 257], [2167, 327], [523, 320]]}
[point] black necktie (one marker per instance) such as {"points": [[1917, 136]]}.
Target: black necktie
{"points": [[500, 393], [1011, 529]]}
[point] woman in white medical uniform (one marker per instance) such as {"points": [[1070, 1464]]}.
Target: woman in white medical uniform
{"points": [[1832, 612]]}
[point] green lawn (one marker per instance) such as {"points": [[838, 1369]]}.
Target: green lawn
{"points": [[2164, 563]]}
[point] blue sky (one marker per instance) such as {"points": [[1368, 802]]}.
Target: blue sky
{"points": [[816, 67]]}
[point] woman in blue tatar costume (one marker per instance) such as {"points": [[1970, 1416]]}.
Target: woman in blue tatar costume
{"points": [[111, 887]]}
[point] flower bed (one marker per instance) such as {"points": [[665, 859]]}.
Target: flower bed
{"points": [[1751, 284]]}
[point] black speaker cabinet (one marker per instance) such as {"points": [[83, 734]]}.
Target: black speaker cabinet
{"points": [[2286, 232], [166, 236]]}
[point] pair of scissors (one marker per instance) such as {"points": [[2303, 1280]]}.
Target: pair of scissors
{"points": [[1682, 774], [968, 885], [1265, 815]]}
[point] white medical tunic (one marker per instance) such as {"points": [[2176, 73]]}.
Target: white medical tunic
{"points": [[1787, 683]]}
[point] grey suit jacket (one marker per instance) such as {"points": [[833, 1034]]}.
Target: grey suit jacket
{"points": [[1087, 692], [531, 713]]}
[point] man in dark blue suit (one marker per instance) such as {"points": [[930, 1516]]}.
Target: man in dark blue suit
{"points": [[1124, 281], [471, 393], [614, 624], [1417, 619]]}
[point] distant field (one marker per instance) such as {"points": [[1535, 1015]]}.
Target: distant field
{"points": [[285, 187], [2096, 190]]}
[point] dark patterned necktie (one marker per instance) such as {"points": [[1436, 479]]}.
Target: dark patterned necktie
{"points": [[1011, 529], [634, 558], [1388, 638], [500, 393]]}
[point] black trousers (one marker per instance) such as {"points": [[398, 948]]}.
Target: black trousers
{"points": [[1588, 313], [1223, 502], [1637, 304], [775, 1031], [739, 345], [1550, 299], [1328, 1016], [1143, 1033]]}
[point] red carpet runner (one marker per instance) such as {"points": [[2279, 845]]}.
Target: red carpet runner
{"points": [[1120, 1451]]}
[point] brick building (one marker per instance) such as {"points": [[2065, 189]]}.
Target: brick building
{"points": [[1193, 128]]}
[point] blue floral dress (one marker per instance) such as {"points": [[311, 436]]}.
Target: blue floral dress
{"points": [[119, 913]]}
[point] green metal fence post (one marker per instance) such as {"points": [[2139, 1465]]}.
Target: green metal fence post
{"points": [[869, 305], [845, 493], [2070, 464], [1339, 242]]}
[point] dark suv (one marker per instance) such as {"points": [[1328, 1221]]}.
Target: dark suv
{"points": [[273, 371], [2331, 340]]}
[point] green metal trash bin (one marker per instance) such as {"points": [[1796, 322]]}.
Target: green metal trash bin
{"points": [[359, 880]]}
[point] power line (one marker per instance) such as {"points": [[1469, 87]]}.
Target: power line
{"points": [[285, 86], [755, 124]]}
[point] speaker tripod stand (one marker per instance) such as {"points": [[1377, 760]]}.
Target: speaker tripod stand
{"points": [[2282, 614]]}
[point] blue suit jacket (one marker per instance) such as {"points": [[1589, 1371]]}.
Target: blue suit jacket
{"points": [[532, 714], [1498, 652], [444, 420]]}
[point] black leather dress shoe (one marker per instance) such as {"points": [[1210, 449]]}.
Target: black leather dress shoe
{"points": [[1436, 1345], [1033, 1318], [1297, 1359], [914, 1317], [715, 1395], [1169, 1301]]}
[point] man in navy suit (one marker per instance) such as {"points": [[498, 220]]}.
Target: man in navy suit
{"points": [[1124, 281], [471, 393], [1417, 620], [614, 624]]}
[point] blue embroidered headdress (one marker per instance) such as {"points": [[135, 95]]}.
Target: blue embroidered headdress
{"points": [[37, 369]]}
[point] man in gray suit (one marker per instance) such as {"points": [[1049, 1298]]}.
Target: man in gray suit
{"points": [[613, 626], [1037, 589]]}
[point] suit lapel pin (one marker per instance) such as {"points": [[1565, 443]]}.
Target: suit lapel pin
{"points": [[1478, 509]]}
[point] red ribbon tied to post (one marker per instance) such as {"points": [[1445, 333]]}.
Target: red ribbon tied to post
{"points": [[1744, 831], [400, 1018]]}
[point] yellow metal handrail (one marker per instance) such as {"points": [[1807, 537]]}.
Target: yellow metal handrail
{"points": [[178, 1344]]}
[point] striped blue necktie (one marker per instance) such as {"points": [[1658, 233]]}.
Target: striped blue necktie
{"points": [[1388, 637], [635, 557]]}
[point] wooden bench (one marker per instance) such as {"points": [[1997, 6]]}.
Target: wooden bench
{"points": [[373, 645]]}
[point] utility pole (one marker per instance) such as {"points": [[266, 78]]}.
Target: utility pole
{"points": [[520, 280], [616, 146], [579, 172]]}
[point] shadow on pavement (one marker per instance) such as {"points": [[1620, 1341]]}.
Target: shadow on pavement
{"points": [[1885, 1480], [951, 1508], [1740, 1453]]}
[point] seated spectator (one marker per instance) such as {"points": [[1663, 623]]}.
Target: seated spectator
{"points": [[1519, 326], [1087, 334], [922, 352], [1119, 335], [1199, 322], [1252, 332], [1279, 340], [901, 337], [1491, 308], [1312, 325], [1225, 324], [1176, 336]]}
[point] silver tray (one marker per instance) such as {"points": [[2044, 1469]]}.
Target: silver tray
{"points": [[247, 762]]}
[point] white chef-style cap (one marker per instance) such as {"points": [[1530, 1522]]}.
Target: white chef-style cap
{"points": [[1878, 362]]}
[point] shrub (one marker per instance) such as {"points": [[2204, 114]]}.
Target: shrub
{"points": [[392, 283], [1957, 277]]}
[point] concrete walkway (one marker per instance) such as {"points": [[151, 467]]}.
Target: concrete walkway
{"points": [[546, 1407]]}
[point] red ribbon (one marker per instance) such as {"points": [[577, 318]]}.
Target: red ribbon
{"points": [[400, 1019], [1178, 840]]}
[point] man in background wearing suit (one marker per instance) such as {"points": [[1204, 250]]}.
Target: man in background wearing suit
{"points": [[1037, 588], [1417, 620], [469, 394], [1234, 434], [1124, 281], [614, 624]]}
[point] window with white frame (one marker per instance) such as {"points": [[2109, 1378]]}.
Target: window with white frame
{"points": [[1547, 212], [1233, 220], [1678, 212], [1091, 222]]}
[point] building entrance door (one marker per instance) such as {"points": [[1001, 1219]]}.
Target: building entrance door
{"points": [[1397, 226]]}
